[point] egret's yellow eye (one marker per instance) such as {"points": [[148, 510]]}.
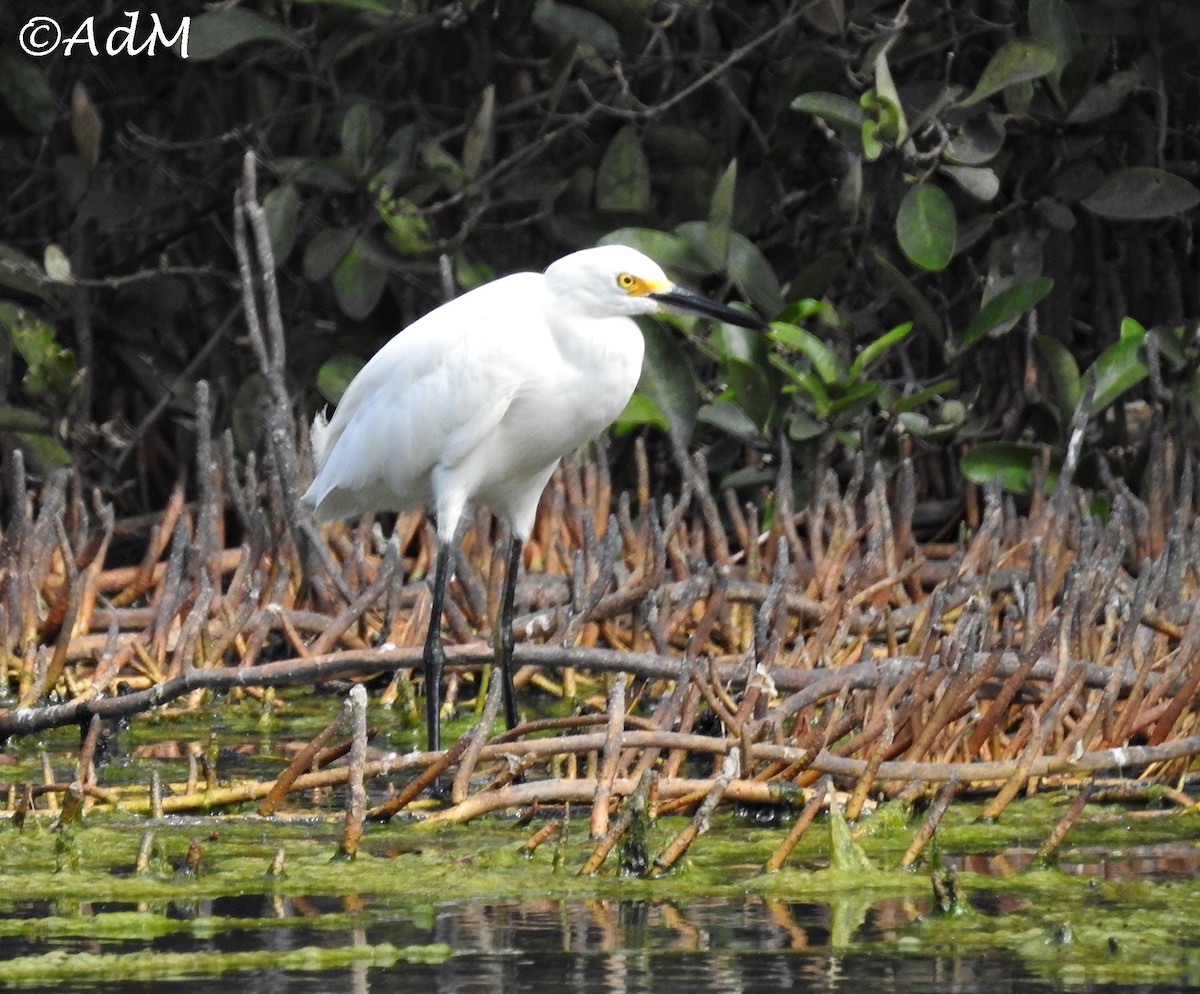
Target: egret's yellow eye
{"points": [[633, 285]]}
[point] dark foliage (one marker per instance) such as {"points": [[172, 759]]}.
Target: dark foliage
{"points": [[1011, 177]]}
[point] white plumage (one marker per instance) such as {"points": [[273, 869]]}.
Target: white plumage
{"points": [[479, 399]]}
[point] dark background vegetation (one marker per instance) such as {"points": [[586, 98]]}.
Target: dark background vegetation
{"points": [[1013, 177]]}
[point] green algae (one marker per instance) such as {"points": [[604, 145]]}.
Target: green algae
{"points": [[1063, 926], [64, 966], [1065, 923]]}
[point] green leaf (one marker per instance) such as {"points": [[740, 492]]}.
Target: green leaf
{"points": [[910, 402], [1053, 24], [977, 141], [1010, 462], [358, 282], [447, 168], [215, 32], [408, 231], [754, 391], [623, 179], [926, 227], [87, 126], [325, 251], [51, 368], [575, 24], [21, 419], [873, 350], [720, 215], [831, 107], [1132, 328], [824, 360], [669, 250], [924, 315], [893, 127], [1018, 61], [56, 263], [872, 143], [19, 272], [282, 210], [335, 375], [802, 427], [981, 183], [358, 135], [855, 400], [753, 275], [818, 396], [639, 412], [1106, 97], [749, 269], [1117, 369], [1064, 371], [728, 416], [477, 144], [35, 436], [1006, 307], [25, 92], [1141, 193], [668, 378]]}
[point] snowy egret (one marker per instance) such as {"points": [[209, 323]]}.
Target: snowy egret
{"points": [[479, 400]]}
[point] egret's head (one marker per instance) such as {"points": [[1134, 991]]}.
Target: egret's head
{"points": [[615, 280]]}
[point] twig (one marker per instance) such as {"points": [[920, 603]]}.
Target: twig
{"points": [[799, 827]]}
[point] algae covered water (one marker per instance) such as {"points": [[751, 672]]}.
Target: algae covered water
{"points": [[119, 901], [461, 910]]}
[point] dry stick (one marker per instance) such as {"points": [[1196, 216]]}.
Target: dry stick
{"points": [[476, 739], [538, 837], [1000, 705], [929, 826], [48, 778], [82, 596], [809, 686], [1041, 731], [612, 753], [72, 807], [357, 802], [700, 821], [84, 772], [145, 850], [302, 761], [1059, 832], [401, 800], [156, 794], [353, 611], [799, 827], [1189, 650], [584, 789], [858, 798], [635, 806]]}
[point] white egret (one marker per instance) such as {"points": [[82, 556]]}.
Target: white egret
{"points": [[479, 400]]}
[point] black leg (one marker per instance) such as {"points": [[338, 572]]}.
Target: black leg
{"points": [[504, 632], [435, 654]]}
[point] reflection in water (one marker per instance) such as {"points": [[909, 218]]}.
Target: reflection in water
{"points": [[594, 947]]}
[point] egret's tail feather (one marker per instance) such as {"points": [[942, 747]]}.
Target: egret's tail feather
{"points": [[321, 440]]}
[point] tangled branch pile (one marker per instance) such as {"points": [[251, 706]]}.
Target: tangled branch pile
{"points": [[1049, 644], [773, 642]]}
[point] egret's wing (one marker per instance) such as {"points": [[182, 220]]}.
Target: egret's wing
{"points": [[428, 397]]}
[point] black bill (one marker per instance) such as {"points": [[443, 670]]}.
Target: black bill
{"points": [[678, 299]]}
